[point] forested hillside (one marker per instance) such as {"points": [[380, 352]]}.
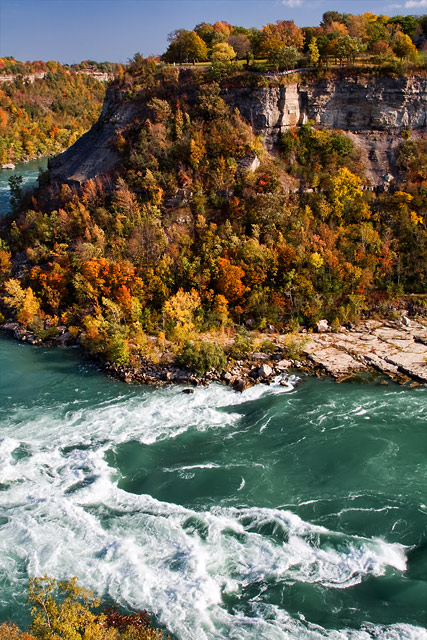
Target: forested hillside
{"points": [[44, 108], [190, 236]]}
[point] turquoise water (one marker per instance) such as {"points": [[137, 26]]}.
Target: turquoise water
{"points": [[282, 512], [29, 172], [279, 513]]}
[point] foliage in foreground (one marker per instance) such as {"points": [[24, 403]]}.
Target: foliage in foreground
{"points": [[62, 610]]}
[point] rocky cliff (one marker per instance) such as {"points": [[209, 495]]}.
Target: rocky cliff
{"points": [[373, 111], [350, 104]]}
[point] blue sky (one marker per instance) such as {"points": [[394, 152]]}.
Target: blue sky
{"points": [[75, 30]]}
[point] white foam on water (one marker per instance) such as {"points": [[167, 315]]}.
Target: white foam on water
{"points": [[145, 418], [64, 515]]}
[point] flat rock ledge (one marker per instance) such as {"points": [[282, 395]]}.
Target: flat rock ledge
{"points": [[395, 349]]}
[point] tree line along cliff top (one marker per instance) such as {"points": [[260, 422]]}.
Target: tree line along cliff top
{"points": [[340, 38]]}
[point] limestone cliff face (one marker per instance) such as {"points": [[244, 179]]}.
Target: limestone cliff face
{"points": [[270, 110], [372, 111], [350, 104]]}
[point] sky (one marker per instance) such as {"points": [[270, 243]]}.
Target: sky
{"points": [[114, 30]]}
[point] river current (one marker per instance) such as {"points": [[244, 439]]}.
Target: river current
{"points": [[279, 513]]}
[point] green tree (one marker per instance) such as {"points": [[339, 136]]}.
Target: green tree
{"points": [[284, 58], [201, 357], [15, 187]]}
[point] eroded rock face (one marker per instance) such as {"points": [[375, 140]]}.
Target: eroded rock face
{"points": [[383, 104], [94, 154], [372, 112], [270, 110]]}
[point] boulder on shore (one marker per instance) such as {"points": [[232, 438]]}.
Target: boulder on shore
{"points": [[265, 371]]}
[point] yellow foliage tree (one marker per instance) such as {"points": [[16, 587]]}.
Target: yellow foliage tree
{"points": [[179, 314], [68, 616], [346, 196], [22, 301]]}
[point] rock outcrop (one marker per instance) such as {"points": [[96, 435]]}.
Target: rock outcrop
{"points": [[393, 349], [350, 104], [94, 154]]}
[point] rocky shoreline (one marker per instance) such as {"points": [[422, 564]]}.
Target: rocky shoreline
{"points": [[396, 349]]}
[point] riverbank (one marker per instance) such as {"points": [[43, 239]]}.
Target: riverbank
{"points": [[396, 349]]}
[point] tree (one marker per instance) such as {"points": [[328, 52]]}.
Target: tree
{"points": [[331, 16], [205, 31], [314, 52], [223, 52], [241, 45], [179, 313], [346, 196], [347, 48], [403, 47], [15, 187], [286, 31], [230, 281], [284, 58], [64, 610], [22, 301], [185, 46], [407, 24], [203, 357]]}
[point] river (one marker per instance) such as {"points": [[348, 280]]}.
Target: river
{"points": [[279, 513], [29, 172]]}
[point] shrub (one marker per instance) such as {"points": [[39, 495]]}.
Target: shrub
{"points": [[201, 357], [243, 344], [268, 347], [293, 345]]}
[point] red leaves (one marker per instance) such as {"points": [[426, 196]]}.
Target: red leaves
{"points": [[117, 620]]}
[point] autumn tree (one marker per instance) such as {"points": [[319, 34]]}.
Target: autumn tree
{"points": [[241, 45], [314, 52], [403, 47], [22, 301], [346, 196], [286, 31], [63, 609], [230, 282], [223, 52], [185, 46], [179, 314]]}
